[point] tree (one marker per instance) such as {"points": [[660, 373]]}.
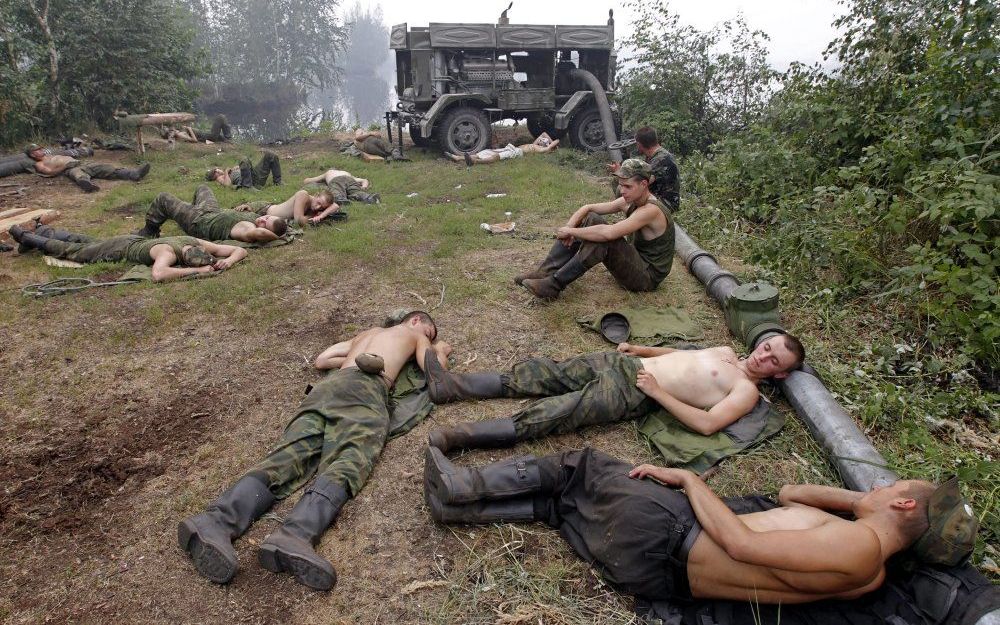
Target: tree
{"points": [[365, 89]]}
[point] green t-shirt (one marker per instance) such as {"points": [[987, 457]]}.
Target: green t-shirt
{"points": [[138, 251], [218, 225], [658, 252]]}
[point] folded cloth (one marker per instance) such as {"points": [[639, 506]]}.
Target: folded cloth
{"points": [[651, 326], [409, 400]]}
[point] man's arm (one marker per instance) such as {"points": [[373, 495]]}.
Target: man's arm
{"points": [[611, 232], [261, 235], [300, 202], [737, 403], [329, 210], [363, 182], [827, 498], [230, 254], [602, 208], [840, 547], [319, 178], [643, 351], [332, 357], [422, 344], [163, 269]]}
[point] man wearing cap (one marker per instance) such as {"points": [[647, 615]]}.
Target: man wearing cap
{"points": [[246, 174], [80, 173], [665, 184], [638, 250], [206, 220], [170, 257], [653, 541], [705, 389]]}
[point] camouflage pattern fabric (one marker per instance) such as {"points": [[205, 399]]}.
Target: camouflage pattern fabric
{"points": [[258, 207], [130, 247], [338, 433], [376, 146], [203, 219], [622, 259], [666, 183], [345, 188], [268, 165], [587, 390], [951, 533]]}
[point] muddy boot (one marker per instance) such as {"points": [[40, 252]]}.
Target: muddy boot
{"points": [[27, 241], [481, 512], [87, 185], [150, 231], [558, 256], [500, 480], [60, 235], [367, 198], [208, 537], [549, 288], [474, 435], [289, 549], [444, 386]]}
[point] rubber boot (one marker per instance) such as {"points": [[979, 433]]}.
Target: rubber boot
{"points": [[289, 549], [474, 435], [558, 256], [549, 288], [27, 241], [452, 484], [151, 230], [481, 512], [208, 537], [444, 386], [367, 198], [60, 235]]}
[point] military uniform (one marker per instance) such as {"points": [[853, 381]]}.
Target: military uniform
{"points": [[666, 183], [587, 390], [338, 433], [346, 188], [128, 247], [376, 146], [203, 219], [246, 174]]}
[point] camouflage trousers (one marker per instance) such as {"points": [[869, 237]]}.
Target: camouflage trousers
{"points": [[338, 433], [346, 189], [376, 146], [619, 256], [587, 390], [268, 165], [167, 206], [83, 173], [83, 249]]}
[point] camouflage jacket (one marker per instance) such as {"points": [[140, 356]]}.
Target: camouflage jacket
{"points": [[666, 184]]}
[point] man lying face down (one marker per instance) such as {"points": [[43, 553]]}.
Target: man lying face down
{"points": [[706, 389], [652, 540], [336, 434]]}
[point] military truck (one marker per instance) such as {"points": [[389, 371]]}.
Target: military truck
{"points": [[455, 80]]}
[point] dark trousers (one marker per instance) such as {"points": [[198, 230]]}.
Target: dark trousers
{"points": [[269, 165], [83, 173], [167, 206], [620, 257]]}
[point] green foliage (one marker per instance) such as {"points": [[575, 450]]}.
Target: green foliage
{"points": [[881, 180], [693, 86]]}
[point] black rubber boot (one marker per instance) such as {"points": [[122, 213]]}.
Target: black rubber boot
{"points": [[550, 288], [289, 549], [60, 235], [134, 174], [27, 241], [151, 230], [558, 256], [474, 435], [208, 537], [367, 198], [452, 484], [481, 512], [444, 386]]}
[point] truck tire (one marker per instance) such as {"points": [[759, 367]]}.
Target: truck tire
{"points": [[464, 129], [418, 139], [586, 131]]}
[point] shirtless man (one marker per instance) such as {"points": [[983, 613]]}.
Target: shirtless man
{"points": [[706, 390], [246, 174], [205, 220], [660, 544], [637, 265], [303, 208], [541, 145], [170, 257], [337, 433], [345, 186], [80, 173]]}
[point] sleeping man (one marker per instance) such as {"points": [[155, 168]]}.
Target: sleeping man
{"points": [[706, 390]]}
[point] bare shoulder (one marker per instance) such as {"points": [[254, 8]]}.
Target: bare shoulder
{"points": [[723, 350]]}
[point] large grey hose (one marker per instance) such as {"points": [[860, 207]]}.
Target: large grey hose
{"points": [[860, 465], [601, 98]]}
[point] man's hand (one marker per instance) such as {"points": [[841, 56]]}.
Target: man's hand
{"points": [[674, 478], [647, 383], [613, 167], [564, 236], [628, 349], [443, 348], [315, 220], [221, 264], [208, 268]]}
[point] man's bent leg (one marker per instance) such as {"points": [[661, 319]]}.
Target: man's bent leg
{"points": [[269, 165], [588, 254], [165, 207], [62, 235], [82, 179], [205, 200], [356, 193], [627, 267], [558, 256]]}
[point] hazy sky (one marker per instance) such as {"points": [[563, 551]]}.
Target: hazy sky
{"points": [[799, 29]]}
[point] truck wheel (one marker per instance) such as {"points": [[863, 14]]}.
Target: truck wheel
{"points": [[418, 139], [464, 129], [586, 131]]}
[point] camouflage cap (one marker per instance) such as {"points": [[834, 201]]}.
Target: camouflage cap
{"points": [[953, 526], [634, 168], [31, 147], [195, 256]]}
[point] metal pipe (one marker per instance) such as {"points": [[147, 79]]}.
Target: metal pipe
{"points": [[601, 99], [860, 465]]}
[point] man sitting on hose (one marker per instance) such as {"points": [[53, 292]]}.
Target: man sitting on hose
{"points": [[170, 257], [660, 544], [246, 174], [706, 390], [205, 220], [303, 208], [639, 264]]}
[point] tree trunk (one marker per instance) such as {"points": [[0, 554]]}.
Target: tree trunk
{"points": [[42, 16]]}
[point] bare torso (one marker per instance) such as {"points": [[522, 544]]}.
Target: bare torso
{"points": [[699, 378], [285, 210], [714, 575], [56, 164], [396, 345], [242, 231]]}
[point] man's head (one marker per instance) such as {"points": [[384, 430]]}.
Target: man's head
{"points": [[421, 321], [935, 519], [321, 201], [277, 225], [213, 174], [195, 256], [634, 175], [776, 357], [646, 140], [34, 151]]}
